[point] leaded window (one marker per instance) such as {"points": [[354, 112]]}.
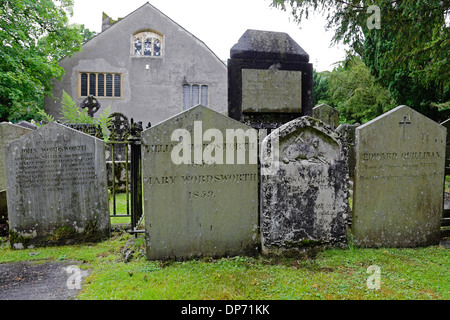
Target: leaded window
{"points": [[100, 84], [147, 44], [195, 94]]}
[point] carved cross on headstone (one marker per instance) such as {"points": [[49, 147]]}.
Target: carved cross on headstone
{"points": [[404, 123]]}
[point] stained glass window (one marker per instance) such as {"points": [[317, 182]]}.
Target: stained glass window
{"points": [[137, 47], [147, 47], [157, 47], [147, 44]]}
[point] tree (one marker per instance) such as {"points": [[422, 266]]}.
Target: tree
{"points": [[408, 50], [321, 86], [354, 92], [34, 35]]}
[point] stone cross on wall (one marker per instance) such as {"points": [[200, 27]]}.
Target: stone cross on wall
{"points": [[92, 105]]}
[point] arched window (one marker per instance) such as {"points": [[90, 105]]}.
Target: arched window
{"points": [[147, 44]]}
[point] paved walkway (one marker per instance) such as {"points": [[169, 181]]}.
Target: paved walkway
{"points": [[39, 281]]}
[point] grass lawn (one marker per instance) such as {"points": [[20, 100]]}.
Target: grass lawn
{"points": [[406, 274], [421, 273]]}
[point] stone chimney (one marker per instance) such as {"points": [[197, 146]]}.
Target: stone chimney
{"points": [[107, 22]]}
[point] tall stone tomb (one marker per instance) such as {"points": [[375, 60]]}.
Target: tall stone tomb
{"points": [[8, 132], [304, 195], [399, 180], [269, 80], [56, 186], [200, 180]]}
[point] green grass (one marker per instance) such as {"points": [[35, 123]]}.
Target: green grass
{"points": [[121, 209], [421, 273]]}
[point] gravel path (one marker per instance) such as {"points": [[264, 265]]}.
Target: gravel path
{"points": [[40, 281]]}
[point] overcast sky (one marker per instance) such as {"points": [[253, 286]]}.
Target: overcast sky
{"points": [[220, 24]]}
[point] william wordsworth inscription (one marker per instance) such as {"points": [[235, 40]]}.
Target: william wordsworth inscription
{"points": [[399, 180], [195, 206], [55, 167], [271, 91], [56, 180]]}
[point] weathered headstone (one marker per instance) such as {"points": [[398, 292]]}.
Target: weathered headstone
{"points": [[27, 124], [347, 131], [8, 132], [201, 200], [446, 124], [269, 80], [57, 189], [304, 195], [327, 114], [399, 180]]}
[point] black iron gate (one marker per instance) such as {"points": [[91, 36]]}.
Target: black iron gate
{"points": [[124, 159]]}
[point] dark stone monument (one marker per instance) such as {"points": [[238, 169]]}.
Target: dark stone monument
{"points": [[270, 80]]}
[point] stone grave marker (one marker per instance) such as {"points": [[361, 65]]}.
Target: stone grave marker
{"points": [[446, 124], [399, 180], [348, 134], [200, 199], [327, 114], [304, 195], [269, 80], [8, 132], [57, 189]]}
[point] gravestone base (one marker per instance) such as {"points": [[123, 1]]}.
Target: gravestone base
{"points": [[57, 236], [305, 248]]}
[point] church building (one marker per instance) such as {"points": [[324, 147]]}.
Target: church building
{"points": [[145, 66]]}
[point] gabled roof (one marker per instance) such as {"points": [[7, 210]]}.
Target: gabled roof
{"points": [[120, 20]]}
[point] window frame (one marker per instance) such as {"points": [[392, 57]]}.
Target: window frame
{"points": [[198, 96], [143, 35], [105, 85]]}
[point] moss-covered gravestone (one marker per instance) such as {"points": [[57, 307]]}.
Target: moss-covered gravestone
{"points": [[304, 195], [327, 114], [399, 180], [57, 189]]}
